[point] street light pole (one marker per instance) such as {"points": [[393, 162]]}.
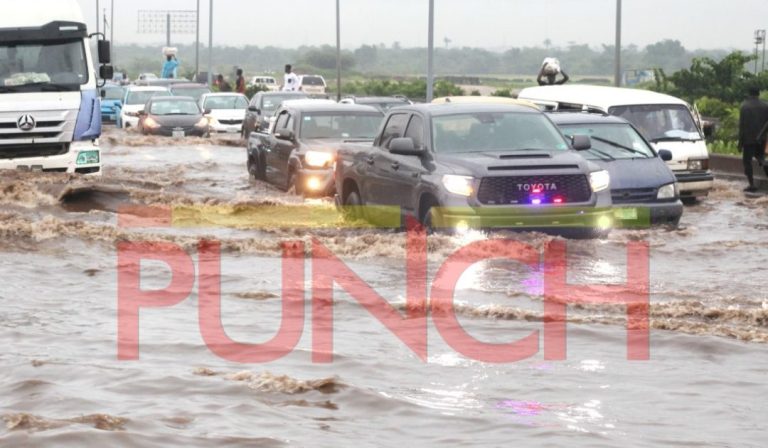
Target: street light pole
{"points": [[617, 57], [197, 41], [98, 17], [431, 53], [338, 50], [210, 46], [112, 23]]}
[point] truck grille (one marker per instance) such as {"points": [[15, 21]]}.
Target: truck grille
{"points": [[633, 196], [517, 189], [40, 150], [231, 122]]}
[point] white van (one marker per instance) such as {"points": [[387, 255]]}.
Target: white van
{"points": [[312, 84], [667, 122], [267, 82]]}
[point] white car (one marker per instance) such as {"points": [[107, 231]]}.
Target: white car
{"points": [[225, 111], [135, 99], [312, 84], [267, 82]]}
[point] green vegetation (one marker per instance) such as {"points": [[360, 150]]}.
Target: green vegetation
{"points": [[717, 88], [414, 89]]}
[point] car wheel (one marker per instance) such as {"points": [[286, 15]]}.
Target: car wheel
{"points": [[430, 217], [255, 168], [690, 200]]}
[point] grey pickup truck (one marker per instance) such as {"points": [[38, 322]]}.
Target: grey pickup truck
{"points": [[300, 152], [455, 166]]}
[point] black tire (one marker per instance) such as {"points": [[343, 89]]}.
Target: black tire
{"points": [[352, 204], [690, 200], [255, 168], [293, 185], [429, 215]]}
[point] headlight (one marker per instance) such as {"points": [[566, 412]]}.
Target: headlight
{"points": [[599, 180], [667, 192], [151, 123], [698, 165], [460, 185], [203, 123], [213, 122], [87, 157], [318, 159]]}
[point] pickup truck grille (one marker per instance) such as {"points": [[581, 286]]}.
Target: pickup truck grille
{"points": [[633, 196], [41, 150], [519, 189]]}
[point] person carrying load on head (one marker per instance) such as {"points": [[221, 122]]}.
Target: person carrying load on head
{"points": [[550, 68]]}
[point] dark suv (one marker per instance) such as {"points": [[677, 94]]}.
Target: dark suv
{"points": [[477, 166], [264, 105]]}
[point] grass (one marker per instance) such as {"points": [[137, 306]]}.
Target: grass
{"points": [[723, 147]]}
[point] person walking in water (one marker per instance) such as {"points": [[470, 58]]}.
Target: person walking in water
{"points": [[550, 68], [170, 67], [240, 82], [753, 123], [291, 81]]}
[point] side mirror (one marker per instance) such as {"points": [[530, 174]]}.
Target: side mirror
{"points": [[665, 155], [106, 72], [709, 129], [581, 142], [103, 93], [105, 52], [254, 109], [404, 147], [284, 134]]}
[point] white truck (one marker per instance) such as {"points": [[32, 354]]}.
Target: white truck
{"points": [[50, 109]]}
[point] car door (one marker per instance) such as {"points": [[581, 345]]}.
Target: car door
{"points": [[282, 149], [403, 173], [275, 171], [377, 184]]}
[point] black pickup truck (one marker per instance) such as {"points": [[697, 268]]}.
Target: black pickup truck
{"points": [[455, 166], [299, 153]]}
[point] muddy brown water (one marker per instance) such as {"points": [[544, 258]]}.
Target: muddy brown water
{"points": [[62, 384]]}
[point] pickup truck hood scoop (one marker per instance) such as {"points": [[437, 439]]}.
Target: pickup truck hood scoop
{"points": [[524, 156], [497, 163]]}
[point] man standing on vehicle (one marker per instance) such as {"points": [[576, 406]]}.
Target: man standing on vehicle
{"points": [[291, 83], [752, 140], [170, 66], [240, 82]]}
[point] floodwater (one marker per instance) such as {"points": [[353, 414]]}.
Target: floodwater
{"points": [[63, 385]]}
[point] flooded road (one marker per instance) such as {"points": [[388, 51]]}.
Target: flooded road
{"points": [[63, 385]]}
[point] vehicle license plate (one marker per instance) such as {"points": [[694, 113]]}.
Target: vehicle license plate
{"points": [[626, 214], [178, 134]]}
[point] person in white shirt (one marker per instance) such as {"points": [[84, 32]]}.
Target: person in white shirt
{"points": [[291, 83]]}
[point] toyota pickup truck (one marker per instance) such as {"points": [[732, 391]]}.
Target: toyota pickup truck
{"points": [[299, 152], [459, 166]]}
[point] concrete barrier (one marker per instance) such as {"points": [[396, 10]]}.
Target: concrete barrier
{"points": [[732, 168]]}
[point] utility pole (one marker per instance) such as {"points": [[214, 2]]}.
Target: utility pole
{"points": [[338, 50], [112, 23], [168, 30], [210, 46], [98, 19], [617, 69], [759, 40], [431, 53], [197, 41]]}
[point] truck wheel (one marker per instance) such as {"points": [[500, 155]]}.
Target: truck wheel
{"points": [[352, 207], [430, 217], [294, 186], [255, 169], [691, 200]]}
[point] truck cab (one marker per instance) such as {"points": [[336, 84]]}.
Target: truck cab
{"points": [[50, 108]]}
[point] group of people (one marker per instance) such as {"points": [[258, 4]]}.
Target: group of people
{"points": [[171, 67], [753, 135]]}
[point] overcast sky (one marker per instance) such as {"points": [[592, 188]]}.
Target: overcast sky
{"points": [[493, 24]]}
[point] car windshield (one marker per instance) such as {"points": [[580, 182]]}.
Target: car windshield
{"points": [[141, 97], [660, 121], [174, 107], [384, 106], [229, 102], [312, 81], [335, 125], [39, 66], [273, 102], [611, 141], [114, 93], [497, 131]]}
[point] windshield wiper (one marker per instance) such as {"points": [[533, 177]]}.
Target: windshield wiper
{"points": [[620, 146], [44, 86], [673, 139]]}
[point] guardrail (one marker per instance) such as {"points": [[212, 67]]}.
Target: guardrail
{"points": [[732, 168]]}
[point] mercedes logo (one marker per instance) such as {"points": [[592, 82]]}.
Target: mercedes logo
{"points": [[26, 123]]}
